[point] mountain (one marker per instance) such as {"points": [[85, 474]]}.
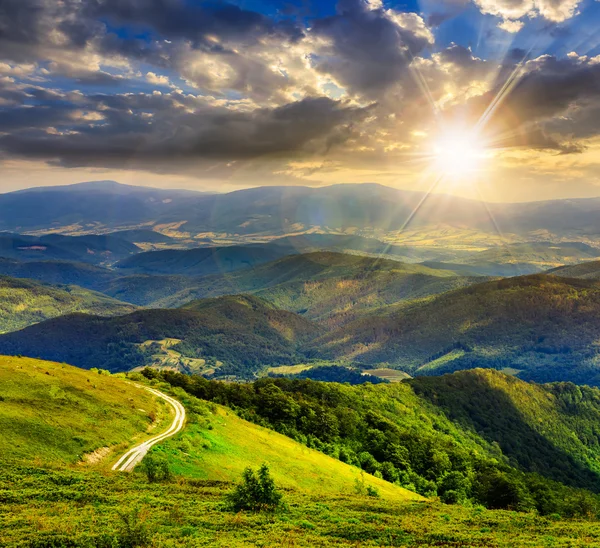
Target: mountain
{"points": [[486, 268], [96, 249], [88, 206], [543, 328], [586, 271], [25, 302], [141, 290], [353, 209], [324, 286], [201, 261], [235, 335], [539, 254], [58, 272]]}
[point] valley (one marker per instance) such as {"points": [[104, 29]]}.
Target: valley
{"points": [[403, 388]]}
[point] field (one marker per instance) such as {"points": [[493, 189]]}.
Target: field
{"points": [[392, 375]]}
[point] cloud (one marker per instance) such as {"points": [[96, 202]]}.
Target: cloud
{"points": [[514, 11], [366, 48], [158, 80], [158, 131]]}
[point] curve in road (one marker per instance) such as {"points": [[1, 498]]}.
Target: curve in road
{"points": [[135, 455]]}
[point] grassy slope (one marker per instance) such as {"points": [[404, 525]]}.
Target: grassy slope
{"points": [[54, 414], [58, 507], [546, 326], [190, 513], [24, 302], [218, 445]]}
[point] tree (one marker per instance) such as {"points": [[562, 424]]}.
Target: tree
{"points": [[256, 492]]}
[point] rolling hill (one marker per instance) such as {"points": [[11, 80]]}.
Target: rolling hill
{"points": [[25, 302], [544, 328], [236, 334], [328, 287], [200, 261], [55, 414], [95, 249], [586, 271]]}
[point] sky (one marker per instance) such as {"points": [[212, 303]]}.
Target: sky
{"points": [[490, 99]]}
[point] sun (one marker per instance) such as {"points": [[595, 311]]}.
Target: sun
{"points": [[458, 153]]}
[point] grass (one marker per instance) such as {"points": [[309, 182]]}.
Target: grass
{"points": [[392, 375], [47, 500], [289, 369], [79, 508], [54, 414], [217, 445]]}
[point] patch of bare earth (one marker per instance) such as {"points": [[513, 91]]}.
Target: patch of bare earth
{"points": [[95, 456]]}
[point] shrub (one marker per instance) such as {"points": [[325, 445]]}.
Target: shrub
{"points": [[156, 468], [256, 492], [372, 491], [134, 532]]}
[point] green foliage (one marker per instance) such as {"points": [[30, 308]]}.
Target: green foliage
{"points": [[133, 532], [156, 467], [243, 332], [24, 303], [412, 433], [256, 492], [332, 288], [94, 510], [543, 327]]}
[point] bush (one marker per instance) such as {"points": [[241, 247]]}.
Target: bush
{"points": [[133, 532], [156, 468], [256, 492]]}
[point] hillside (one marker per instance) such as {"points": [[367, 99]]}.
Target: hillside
{"points": [[25, 302], [55, 414], [452, 433], [141, 290], [325, 286], [544, 328], [536, 254], [94, 249], [325, 498], [57, 272], [586, 271], [200, 261], [237, 335]]}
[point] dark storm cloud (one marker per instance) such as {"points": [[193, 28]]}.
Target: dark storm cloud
{"points": [[194, 22], [122, 132], [27, 24], [369, 50]]}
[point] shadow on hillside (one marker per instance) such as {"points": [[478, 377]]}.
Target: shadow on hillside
{"points": [[468, 399]]}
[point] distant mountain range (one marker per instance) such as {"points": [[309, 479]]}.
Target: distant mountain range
{"points": [[364, 209]]}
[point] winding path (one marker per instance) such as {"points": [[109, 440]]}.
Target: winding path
{"points": [[135, 455]]}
